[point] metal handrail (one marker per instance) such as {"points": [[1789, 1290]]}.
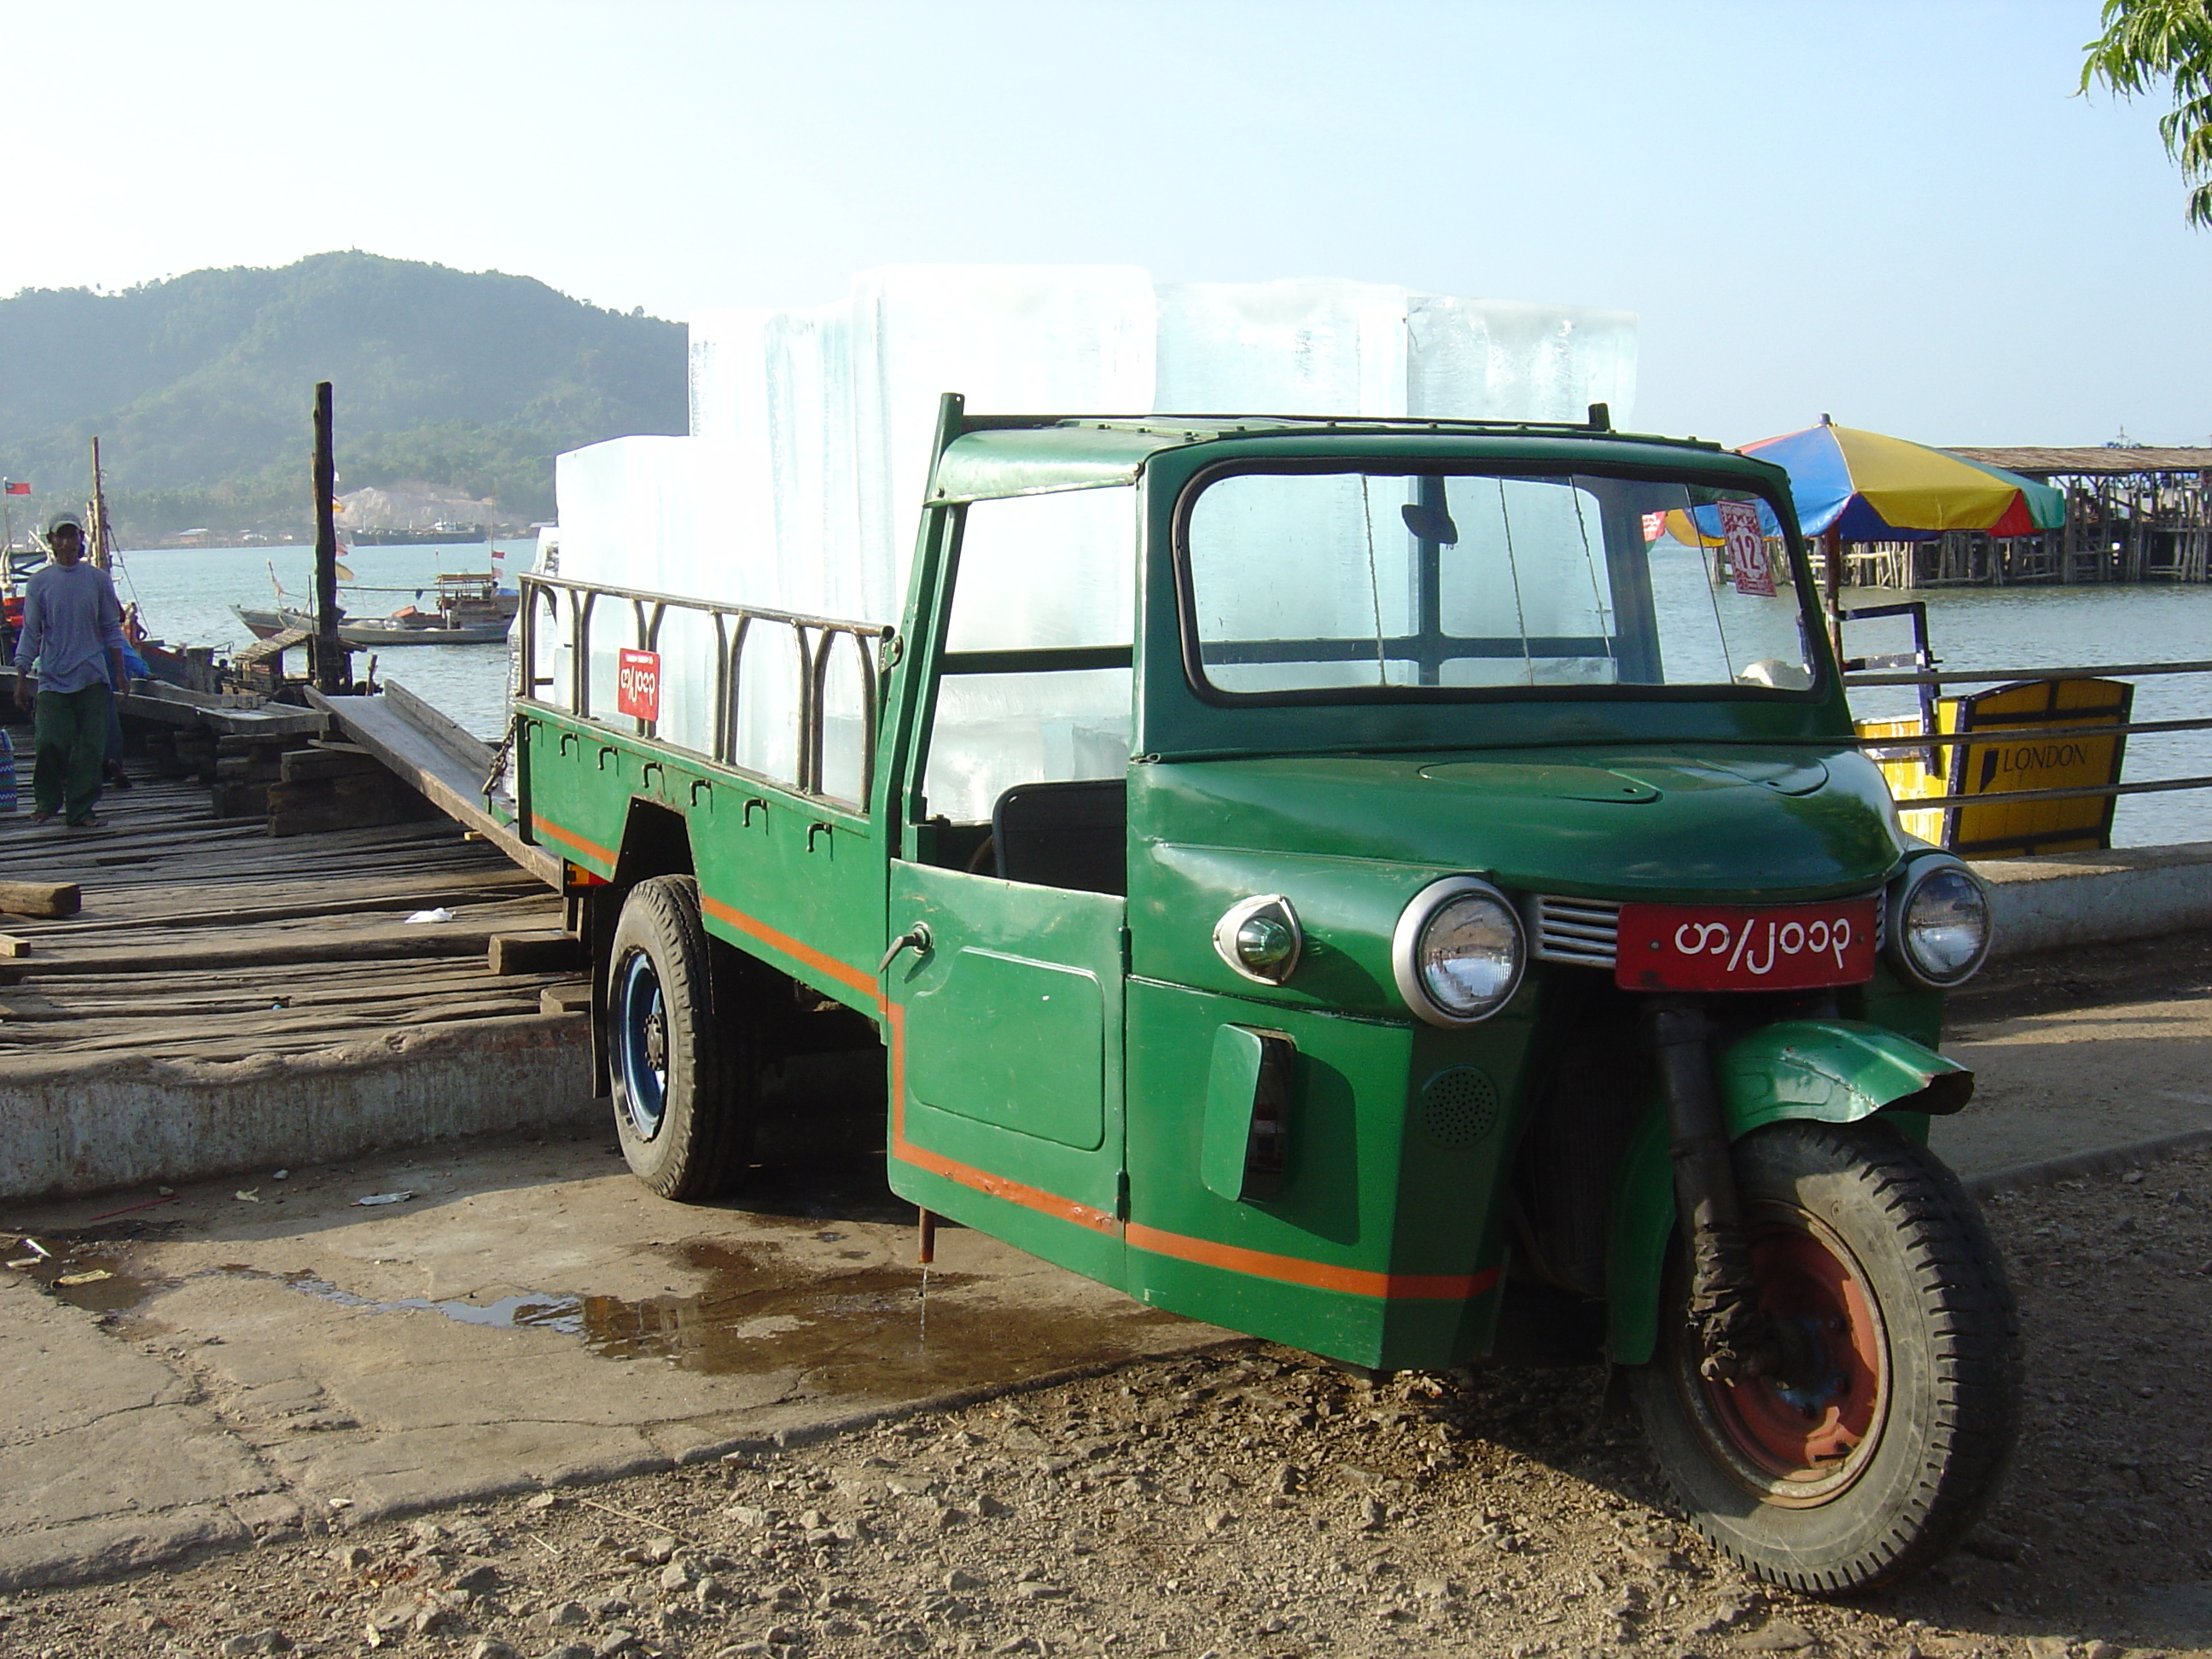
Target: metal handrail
{"points": [[2021, 734], [2082, 791], [816, 636], [1904, 742], [1954, 676]]}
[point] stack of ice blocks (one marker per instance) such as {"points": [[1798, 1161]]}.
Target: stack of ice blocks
{"points": [[800, 486]]}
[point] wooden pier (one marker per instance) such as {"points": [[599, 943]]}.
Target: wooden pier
{"points": [[206, 938], [2133, 514]]}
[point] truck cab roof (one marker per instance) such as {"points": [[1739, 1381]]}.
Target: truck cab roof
{"points": [[1000, 456]]}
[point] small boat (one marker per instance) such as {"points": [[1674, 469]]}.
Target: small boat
{"points": [[268, 624], [470, 610], [413, 627]]}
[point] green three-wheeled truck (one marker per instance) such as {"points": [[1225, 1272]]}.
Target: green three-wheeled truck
{"points": [[1404, 888]]}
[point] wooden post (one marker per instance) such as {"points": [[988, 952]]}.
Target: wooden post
{"points": [[1831, 548], [96, 537], [333, 665]]}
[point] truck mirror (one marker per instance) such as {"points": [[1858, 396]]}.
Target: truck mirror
{"points": [[1430, 524]]}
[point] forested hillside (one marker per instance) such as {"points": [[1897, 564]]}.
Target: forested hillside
{"points": [[200, 387]]}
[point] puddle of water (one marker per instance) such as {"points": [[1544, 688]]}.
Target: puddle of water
{"points": [[529, 1311], [860, 1331], [105, 1283]]}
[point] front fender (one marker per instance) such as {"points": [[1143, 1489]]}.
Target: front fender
{"points": [[1827, 1071]]}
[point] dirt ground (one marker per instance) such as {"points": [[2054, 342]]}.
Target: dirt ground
{"points": [[1249, 1502]]}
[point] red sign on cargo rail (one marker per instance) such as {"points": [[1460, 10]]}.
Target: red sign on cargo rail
{"points": [[637, 685], [1739, 947]]}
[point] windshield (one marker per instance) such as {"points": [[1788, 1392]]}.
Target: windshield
{"points": [[1309, 585]]}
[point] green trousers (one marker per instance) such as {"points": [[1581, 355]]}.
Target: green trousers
{"points": [[69, 731]]}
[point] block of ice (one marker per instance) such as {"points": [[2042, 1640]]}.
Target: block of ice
{"points": [[800, 486], [1287, 348], [1506, 360], [831, 410], [1065, 339]]}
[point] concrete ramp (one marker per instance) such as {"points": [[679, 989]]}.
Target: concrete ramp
{"points": [[443, 763]]}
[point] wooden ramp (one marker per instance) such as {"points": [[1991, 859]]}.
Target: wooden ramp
{"points": [[203, 937], [443, 763]]}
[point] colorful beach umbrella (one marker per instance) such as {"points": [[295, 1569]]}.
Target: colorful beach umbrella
{"points": [[1866, 487]]}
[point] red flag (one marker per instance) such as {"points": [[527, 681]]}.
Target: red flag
{"points": [[14, 489]]}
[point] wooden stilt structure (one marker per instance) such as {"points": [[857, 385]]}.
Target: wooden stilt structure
{"points": [[2132, 515]]}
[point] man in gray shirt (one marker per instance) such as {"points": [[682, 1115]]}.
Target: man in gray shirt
{"points": [[71, 621]]}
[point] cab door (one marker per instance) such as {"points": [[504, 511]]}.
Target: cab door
{"points": [[1004, 1008], [1006, 1056]]}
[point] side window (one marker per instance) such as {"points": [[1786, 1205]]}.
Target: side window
{"points": [[1037, 574]]}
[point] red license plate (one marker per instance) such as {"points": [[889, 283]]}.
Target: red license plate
{"points": [[1744, 947]]}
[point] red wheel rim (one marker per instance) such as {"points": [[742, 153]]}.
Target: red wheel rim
{"points": [[1814, 1429]]}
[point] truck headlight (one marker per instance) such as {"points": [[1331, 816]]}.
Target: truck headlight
{"points": [[1939, 924], [1458, 951]]}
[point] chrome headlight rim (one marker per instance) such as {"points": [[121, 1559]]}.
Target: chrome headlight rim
{"points": [[1406, 949], [1897, 911]]}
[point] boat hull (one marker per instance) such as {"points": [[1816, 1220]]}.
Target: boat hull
{"points": [[366, 638]]}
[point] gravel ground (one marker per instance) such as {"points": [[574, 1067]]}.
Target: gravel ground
{"points": [[1251, 1502]]}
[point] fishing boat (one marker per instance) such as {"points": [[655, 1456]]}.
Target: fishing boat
{"points": [[413, 627], [469, 610], [268, 624]]}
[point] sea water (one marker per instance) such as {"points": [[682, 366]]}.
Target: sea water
{"points": [[2042, 628], [186, 595]]}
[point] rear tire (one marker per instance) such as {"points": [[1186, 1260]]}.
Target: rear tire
{"points": [[1875, 1457], [682, 1075]]}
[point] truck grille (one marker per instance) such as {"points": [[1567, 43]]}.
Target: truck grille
{"points": [[1580, 931]]}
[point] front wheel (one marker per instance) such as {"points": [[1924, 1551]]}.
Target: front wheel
{"points": [[1877, 1446], [683, 1083]]}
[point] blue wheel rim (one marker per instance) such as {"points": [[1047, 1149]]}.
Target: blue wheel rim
{"points": [[640, 1044]]}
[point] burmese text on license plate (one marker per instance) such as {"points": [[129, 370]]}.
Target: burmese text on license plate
{"points": [[1768, 947]]}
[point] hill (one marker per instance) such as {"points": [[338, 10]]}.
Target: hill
{"points": [[200, 387]]}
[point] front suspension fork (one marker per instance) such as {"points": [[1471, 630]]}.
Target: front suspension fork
{"points": [[1735, 1339]]}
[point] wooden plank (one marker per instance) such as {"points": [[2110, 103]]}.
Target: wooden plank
{"points": [[327, 761], [381, 726], [275, 645], [340, 811], [208, 940], [464, 746], [541, 950], [255, 950], [41, 898], [414, 897], [12, 946], [229, 713], [569, 997]]}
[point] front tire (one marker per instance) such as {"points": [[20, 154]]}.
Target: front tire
{"points": [[1878, 1449], [681, 1074]]}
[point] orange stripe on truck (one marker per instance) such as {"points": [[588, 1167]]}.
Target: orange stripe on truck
{"points": [[1296, 1270], [796, 949], [1230, 1258], [590, 849]]}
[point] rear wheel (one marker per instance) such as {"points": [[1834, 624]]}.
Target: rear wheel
{"points": [[1877, 1446], [681, 1073]]}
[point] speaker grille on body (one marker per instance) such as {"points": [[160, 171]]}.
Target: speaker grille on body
{"points": [[1458, 1106]]}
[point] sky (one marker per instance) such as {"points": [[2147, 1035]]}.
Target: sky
{"points": [[1893, 213]]}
